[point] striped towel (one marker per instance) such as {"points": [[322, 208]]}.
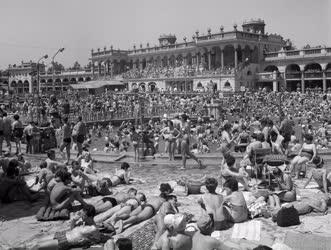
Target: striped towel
{"points": [[250, 230]]}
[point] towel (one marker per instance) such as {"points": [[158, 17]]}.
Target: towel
{"points": [[250, 230]]}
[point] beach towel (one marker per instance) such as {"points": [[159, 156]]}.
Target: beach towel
{"points": [[49, 214], [250, 230], [143, 237]]}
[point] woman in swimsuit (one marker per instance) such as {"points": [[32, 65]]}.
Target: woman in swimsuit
{"points": [[147, 210], [104, 205], [234, 207], [127, 208], [321, 175], [286, 191], [307, 154], [171, 134]]}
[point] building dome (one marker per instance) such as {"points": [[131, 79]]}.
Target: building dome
{"points": [[254, 25]]}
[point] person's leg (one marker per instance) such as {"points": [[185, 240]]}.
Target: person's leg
{"points": [[136, 211], [1, 141], [47, 243], [68, 151], [300, 163], [145, 214], [79, 148], [193, 157], [7, 138], [294, 163], [107, 214], [123, 214]]}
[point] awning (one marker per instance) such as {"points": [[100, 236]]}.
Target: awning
{"points": [[96, 84]]}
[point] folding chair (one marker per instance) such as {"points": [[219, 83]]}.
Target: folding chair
{"points": [[258, 158]]}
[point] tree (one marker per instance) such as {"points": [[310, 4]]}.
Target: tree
{"points": [[58, 67], [76, 66]]}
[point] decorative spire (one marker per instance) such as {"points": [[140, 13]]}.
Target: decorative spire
{"points": [[185, 39], [147, 45], [104, 48], [197, 33], [235, 27], [222, 28], [111, 47], [141, 46], [209, 31]]}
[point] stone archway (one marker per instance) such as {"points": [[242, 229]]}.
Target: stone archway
{"points": [[270, 68], [152, 86], [228, 56], [142, 87]]}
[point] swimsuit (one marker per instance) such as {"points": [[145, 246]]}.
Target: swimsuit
{"points": [[149, 205], [307, 153], [112, 200]]}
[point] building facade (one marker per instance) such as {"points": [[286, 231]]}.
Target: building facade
{"points": [[226, 60], [23, 78]]}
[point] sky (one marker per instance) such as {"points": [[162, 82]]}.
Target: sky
{"points": [[30, 29]]}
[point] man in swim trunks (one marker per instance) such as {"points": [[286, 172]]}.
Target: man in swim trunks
{"points": [[62, 195], [185, 151]]}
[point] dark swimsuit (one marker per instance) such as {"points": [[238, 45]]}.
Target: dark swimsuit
{"points": [[112, 200], [149, 205], [307, 153]]}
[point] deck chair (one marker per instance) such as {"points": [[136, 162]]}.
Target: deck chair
{"points": [[258, 158]]}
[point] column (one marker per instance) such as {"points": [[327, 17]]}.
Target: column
{"points": [[99, 68], [324, 82], [222, 58], [274, 85], [30, 87], [108, 67], [185, 60], [140, 64], [235, 58], [111, 69], [197, 61], [168, 61], [209, 60], [92, 68], [302, 82]]}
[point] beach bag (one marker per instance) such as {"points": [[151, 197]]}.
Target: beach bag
{"points": [[287, 216], [193, 188]]}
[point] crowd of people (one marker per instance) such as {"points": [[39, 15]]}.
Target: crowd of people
{"points": [[152, 71], [290, 129]]}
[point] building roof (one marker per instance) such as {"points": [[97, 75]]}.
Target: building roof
{"points": [[96, 84]]}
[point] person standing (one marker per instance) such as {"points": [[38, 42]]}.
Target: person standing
{"points": [[7, 130], [80, 132], [66, 138], [17, 132]]}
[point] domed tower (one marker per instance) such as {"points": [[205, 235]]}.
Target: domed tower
{"points": [[167, 40], [254, 25]]}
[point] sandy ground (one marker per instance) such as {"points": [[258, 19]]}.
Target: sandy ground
{"points": [[19, 228]]}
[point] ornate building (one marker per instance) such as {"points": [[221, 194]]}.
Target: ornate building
{"points": [[227, 60], [23, 78]]}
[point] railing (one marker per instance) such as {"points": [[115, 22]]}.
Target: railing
{"points": [[313, 74], [266, 76], [292, 53], [298, 53], [121, 114], [293, 75]]}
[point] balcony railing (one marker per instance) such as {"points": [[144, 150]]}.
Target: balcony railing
{"points": [[281, 55], [313, 74], [293, 75]]}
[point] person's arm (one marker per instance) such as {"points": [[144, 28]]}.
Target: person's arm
{"points": [[314, 154]]}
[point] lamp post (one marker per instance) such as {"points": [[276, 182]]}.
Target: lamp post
{"points": [[44, 57], [38, 84], [53, 70]]}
